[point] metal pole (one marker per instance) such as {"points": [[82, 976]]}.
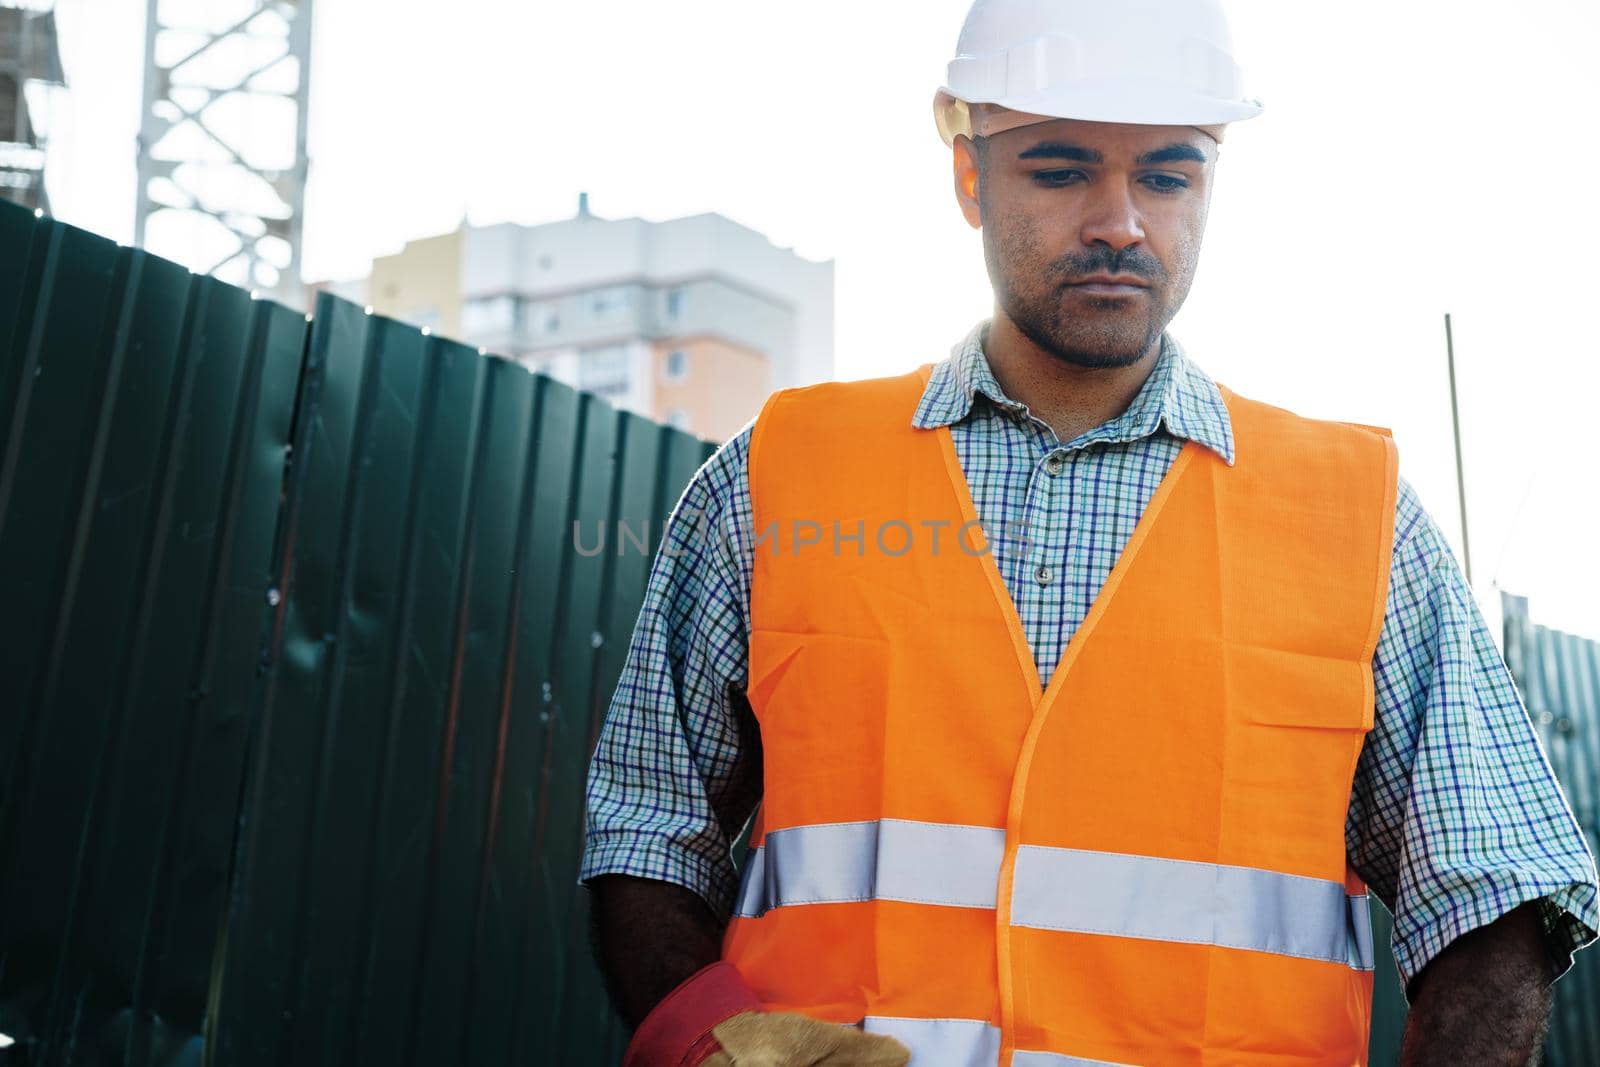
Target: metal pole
{"points": [[1455, 420]]}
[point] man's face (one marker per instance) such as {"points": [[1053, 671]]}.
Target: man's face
{"points": [[1065, 200]]}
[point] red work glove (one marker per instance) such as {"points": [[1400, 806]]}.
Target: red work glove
{"points": [[677, 1032], [713, 1018]]}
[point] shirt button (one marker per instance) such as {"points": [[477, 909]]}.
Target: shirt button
{"points": [[1054, 464], [1041, 574]]}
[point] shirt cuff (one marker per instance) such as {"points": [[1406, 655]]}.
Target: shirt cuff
{"points": [[647, 855], [1569, 917]]}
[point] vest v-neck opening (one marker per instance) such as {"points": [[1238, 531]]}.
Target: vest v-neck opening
{"points": [[1039, 691]]}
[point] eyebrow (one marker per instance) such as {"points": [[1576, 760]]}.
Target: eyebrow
{"points": [[1172, 153]]}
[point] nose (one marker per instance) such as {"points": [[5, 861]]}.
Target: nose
{"points": [[1111, 217]]}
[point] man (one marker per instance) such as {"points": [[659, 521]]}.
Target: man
{"points": [[1106, 775]]}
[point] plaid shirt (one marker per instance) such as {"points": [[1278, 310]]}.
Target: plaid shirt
{"points": [[1455, 815]]}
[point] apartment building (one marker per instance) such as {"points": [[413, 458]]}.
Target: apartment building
{"points": [[691, 321]]}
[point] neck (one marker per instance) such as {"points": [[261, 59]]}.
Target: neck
{"points": [[1068, 398]]}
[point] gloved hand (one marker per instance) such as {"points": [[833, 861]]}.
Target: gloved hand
{"points": [[786, 1039], [714, 1019]]}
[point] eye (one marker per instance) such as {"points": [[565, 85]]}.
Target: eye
{"points": [[1056, 177], [1167, 183]]}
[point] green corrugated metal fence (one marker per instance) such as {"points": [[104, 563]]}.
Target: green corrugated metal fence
{"points": [[1388, 999], [1559, 677], [143, 414], [300, 669]]}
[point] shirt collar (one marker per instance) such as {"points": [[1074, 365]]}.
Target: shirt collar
{"points": [[1177, 394]]}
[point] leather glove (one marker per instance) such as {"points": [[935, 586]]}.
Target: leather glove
{"points": [[786, 1039], [713, 1018]]}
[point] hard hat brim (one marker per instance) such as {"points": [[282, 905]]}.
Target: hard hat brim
{"points": [[1104, 100]]}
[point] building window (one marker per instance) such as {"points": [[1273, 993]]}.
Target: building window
{"points": [[604, 370], [678, 419], [494, 314], [677, 366], [674, 303], [543, 317], [612, 298]]}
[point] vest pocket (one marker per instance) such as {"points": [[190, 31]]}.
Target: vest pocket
{"points": [[1297, 726], [1278, 687]]}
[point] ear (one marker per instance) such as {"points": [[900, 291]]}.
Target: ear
{"points": [[964, 156]]}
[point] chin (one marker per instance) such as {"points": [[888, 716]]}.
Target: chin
{"points": [[1089, 332], [1095, 348], [1097, 359]]}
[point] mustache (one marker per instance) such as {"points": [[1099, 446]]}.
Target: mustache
{"points": [[1131, 260]]}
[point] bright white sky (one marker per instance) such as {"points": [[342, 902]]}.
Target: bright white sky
{"points": [[1412, 159]]}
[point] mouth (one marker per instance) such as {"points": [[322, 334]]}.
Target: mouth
{"points": [[1123, 286]]}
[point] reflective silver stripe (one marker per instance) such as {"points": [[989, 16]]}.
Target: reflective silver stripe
{"points": [[964, 1043], [886, 859], [1359, 952], [1059, 888], [1026, 1058], [1180, 900], [941, 1042]]}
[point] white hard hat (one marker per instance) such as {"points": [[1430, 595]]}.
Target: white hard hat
{"points": [[1157, 62]]}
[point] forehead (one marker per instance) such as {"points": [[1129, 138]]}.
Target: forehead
{"points": [[1112, 141]]}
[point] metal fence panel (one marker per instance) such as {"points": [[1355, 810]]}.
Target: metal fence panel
{"points": [[1559, 677], [1388, 999], [142, 422], [421, 791], [300, 671]]}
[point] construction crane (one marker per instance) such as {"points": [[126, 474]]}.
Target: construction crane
{"points": [[29, 59], [222, 141]]}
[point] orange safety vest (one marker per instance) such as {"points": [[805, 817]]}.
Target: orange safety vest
{"points": [[1142, 863]]}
